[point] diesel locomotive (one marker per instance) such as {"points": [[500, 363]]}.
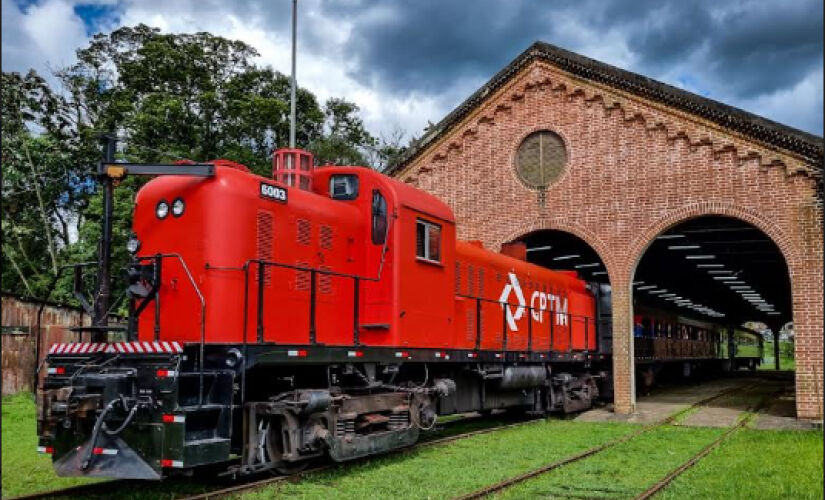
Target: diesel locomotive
{"points": [[321, 312]]}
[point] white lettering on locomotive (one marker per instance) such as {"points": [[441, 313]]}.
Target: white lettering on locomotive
{"points": [[556, 304]]}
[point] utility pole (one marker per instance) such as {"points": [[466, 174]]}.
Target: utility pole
{"points": [[292, 83], [104, 250]]}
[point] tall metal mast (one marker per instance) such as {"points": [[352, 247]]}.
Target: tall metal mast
{"points": [[104, 254], [292, 83]]}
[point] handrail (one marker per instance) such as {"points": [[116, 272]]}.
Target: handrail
{"points": [[314, 271], [530, 309], [203, 313]]}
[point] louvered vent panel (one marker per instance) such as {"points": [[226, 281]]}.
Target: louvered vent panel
{"points": [[302, 278], [264, 237], [457, 278], [325, 281], [471, 281], [304, 231], [326, 237], [481, 282]]}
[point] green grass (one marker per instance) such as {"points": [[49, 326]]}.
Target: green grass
{"points": [[756, 464], [622, 471], [25, 470], [786, 359], [452, 469]]}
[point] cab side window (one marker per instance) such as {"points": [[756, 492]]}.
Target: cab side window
{"points": [[343, 187], [428, 241], [379, 218]]}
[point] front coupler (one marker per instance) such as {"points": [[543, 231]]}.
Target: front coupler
{"points": [[129, 415]]}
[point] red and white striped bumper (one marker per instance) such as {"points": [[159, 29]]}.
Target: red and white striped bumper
{"points": [[116, 347]]}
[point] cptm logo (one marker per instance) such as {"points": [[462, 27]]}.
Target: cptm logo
{"points": [[557, 304]]}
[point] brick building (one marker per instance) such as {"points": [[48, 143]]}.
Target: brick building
{"points": [[639, 157]]}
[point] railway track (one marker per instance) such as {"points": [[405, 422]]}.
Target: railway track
{"points": [[662, 483], [109, 489], [252, 486], [512, 481]]}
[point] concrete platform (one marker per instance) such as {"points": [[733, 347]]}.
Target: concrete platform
{"points": [[726, 411], [778, 413]]}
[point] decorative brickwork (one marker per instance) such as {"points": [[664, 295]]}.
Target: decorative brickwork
{"points": [[635, 167]]}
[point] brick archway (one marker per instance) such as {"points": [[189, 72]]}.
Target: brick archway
{"points": [[808, 370], [703, 208]]}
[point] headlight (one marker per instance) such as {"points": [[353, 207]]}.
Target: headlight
{"points": [[162, 210], [133, 245], [177, 207]]}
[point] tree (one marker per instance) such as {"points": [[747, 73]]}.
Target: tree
{"points": [[388, 150], [42, 187], [346, 140], [168, 97]]}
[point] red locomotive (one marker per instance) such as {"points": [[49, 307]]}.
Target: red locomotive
{"points": [[329, 311]]}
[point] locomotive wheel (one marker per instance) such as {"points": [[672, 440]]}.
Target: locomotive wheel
{"points": [[271, 437]]}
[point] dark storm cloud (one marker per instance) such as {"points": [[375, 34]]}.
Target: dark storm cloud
{"points": [[427, 45], [753, 48], [734, 51]]}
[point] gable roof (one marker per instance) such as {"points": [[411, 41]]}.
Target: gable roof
{"points": [[804, 144]]}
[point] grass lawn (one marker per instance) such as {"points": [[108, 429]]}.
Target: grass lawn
{"points": [[623, 471], [756, 464], [750, 464], [785, 362], [452, 469], [25, 470]]}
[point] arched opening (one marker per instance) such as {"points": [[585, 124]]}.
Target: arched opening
{"points": [[564, 251], [710, 295], [561, 250]]}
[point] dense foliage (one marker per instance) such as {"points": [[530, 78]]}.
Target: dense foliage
{"points": [[167, 97]]}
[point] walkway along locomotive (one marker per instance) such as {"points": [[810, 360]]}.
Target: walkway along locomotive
{"points": [[326, 311]]}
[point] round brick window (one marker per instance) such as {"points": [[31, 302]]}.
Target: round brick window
{"points": [[541, 158]]}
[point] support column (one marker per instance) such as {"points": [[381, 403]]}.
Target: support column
{"points": [[775, 328], [808, 328], [624, 379]]}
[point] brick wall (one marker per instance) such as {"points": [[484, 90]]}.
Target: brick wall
{"points": [[634, 169], [19, 324]]}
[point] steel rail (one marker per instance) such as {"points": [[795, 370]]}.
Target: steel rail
{"points": [[80, 491], [662, 483], [512, 481], [255, 485]]}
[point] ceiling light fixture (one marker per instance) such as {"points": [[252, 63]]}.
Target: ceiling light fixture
{"points": [[567, 257], [699, 257], [539, 249]]}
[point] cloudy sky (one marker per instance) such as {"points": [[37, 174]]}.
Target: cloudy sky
{"points": [[409, 62]]}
